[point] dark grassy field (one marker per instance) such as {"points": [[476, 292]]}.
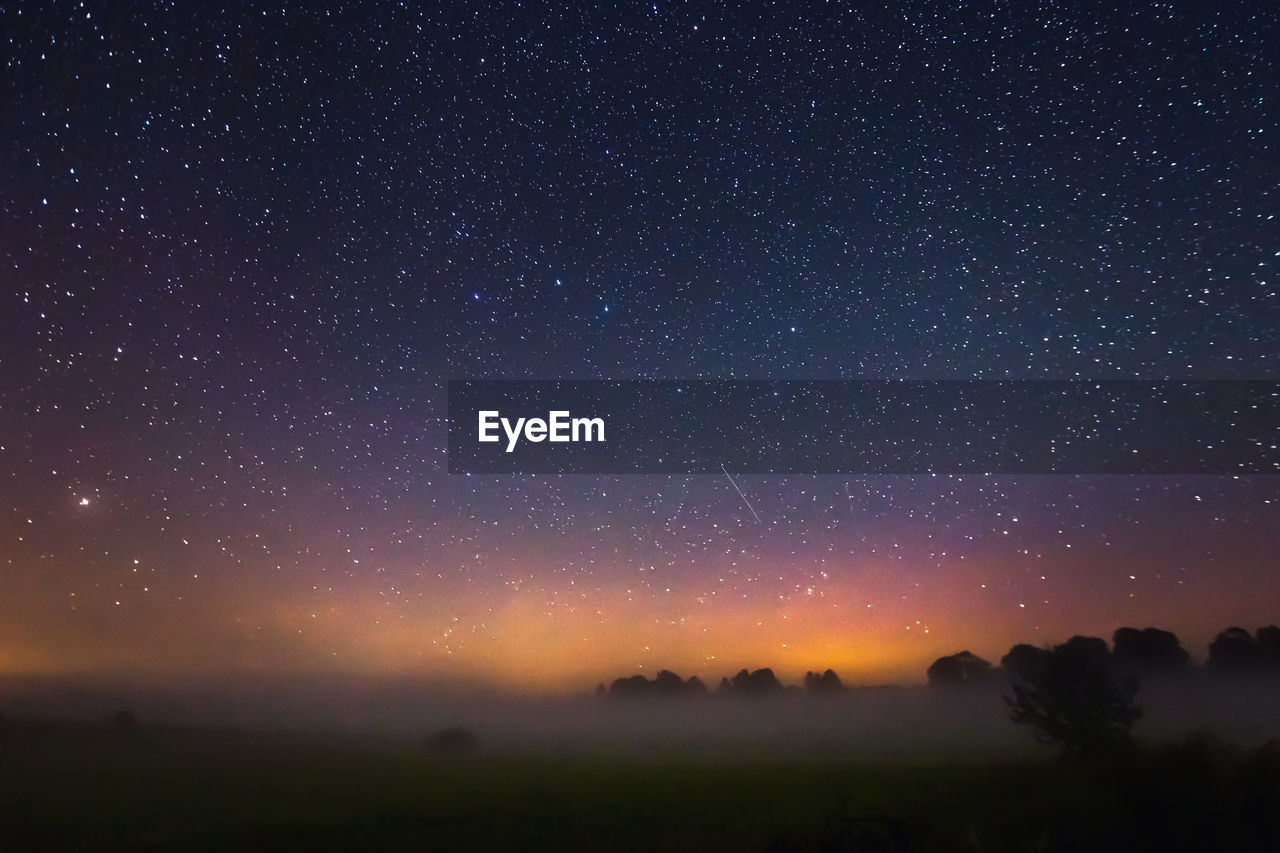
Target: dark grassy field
{"points": [[98, 787]]}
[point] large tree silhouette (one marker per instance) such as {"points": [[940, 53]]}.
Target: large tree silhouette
{"points": [[1070, 696]]}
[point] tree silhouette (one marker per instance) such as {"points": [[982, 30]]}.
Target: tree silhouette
{"points": [[1025, 661], [1234, 650], [1148, 651], [635, 685], [665, 683], [759, 682], [962, 668], [1070, 696], [826, 684], [1268, 640]]}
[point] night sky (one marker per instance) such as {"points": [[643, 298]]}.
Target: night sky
{"points": [[244, 248]]}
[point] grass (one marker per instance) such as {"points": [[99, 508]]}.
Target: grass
{"points": [[92, 787]]}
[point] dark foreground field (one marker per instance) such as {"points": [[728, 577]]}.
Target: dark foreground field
{"points": [[96, 787]]}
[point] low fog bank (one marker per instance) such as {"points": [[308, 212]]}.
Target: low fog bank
{"points": [[875, 723]]}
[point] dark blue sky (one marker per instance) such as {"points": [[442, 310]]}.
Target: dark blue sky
{"points": [[244, 247]]}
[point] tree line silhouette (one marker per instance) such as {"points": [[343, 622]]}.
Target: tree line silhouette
{"points": [[666, 683], [1080, 695], [1133, 652]]}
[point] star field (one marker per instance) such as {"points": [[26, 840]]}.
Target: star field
{"points": [[244, 249]]}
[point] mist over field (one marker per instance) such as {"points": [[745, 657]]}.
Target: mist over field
{"points": [[873, 723]]}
